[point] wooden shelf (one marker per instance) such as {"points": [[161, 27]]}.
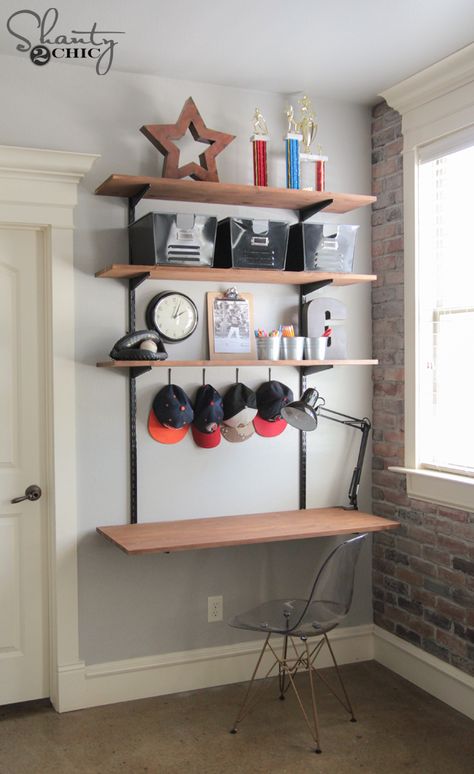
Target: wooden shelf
{"points": [[189, 534], [209, 274], [216, 363], [228, 193]]}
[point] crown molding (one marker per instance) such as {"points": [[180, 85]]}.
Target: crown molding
{"points": [[46, 179], [41, 162], [437, 80]]}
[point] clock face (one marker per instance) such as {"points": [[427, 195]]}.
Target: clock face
{"points": [[173, 315]]}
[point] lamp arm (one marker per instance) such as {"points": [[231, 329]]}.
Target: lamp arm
{"points": [[364, 426]]}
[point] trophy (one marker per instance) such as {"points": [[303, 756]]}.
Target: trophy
{"points": [[292, 141], [259, 141], [308, 127]]}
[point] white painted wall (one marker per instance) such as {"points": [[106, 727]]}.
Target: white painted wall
{"points": [[132, 607]]}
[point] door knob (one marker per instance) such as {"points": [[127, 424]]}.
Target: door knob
{"points": [[32, 492]]}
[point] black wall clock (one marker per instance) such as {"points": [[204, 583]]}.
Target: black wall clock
{"points": [[173, 315]]}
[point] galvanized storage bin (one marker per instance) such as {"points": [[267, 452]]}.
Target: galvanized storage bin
{"points": [[251, 244], [168, 238], [321, 247]]}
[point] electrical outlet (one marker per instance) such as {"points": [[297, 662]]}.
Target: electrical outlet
{"points": [[214, 609]]}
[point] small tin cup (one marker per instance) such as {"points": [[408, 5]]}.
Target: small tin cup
{"points": [[292, 347], [315, 347], [268, 347]]}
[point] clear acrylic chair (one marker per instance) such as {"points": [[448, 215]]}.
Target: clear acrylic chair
{"points": [[301, 620]]}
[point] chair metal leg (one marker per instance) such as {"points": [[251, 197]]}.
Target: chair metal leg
{"points": [[297, 663], [244, 706], [313, 698], [348, 707], [287, 670], [313, 729], [282, 670]]}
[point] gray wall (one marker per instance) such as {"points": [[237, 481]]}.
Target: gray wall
{"points": [[156, 604]]}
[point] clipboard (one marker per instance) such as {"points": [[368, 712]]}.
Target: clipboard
{"points": [[230, 326]]}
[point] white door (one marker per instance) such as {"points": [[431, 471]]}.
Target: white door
{"points": [[24, 652]]}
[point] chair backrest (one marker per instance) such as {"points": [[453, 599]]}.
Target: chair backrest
{"points": [[334, 582]]}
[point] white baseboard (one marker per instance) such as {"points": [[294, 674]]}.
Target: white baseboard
{"points": [[441, 680], [81, 686]]}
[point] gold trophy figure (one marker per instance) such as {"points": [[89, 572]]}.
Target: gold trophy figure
{"points": [[259, 123], [307, 125], [290, 116]]}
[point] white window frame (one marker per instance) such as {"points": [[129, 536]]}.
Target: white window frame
{"points": [[435, 103]]}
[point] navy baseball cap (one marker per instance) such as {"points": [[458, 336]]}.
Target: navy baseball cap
{"points": [[208, 414], [272, 396], [170, 415]]}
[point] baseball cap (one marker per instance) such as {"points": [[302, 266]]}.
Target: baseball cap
{"points": [[271, 397], [170, 415], [240, 408], [208, 414]]}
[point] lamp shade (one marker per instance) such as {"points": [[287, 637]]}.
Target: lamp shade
{"points": [[302, 413]]}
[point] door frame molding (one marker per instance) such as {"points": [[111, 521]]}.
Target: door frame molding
{"points": [[38, 189]]}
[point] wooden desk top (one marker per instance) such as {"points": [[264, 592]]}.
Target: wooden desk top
{"points": [[164, 536]]}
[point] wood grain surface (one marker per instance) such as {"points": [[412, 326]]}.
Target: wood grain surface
{"points": [[229, 276], [229, 193], [188, 534]]}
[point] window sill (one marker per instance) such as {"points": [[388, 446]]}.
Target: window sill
{"points": [[441, 488]]}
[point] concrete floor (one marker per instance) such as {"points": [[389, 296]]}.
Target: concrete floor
{"points": [[400, 729]]}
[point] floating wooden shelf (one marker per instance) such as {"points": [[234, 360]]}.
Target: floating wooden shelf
{"points": [[215, 363], [165, 536], [209, 274], [228, 193]]}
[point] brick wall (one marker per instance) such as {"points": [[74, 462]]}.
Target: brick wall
{"points": [[423, 573]]}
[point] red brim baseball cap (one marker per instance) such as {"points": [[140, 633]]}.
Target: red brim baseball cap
{"points": [[269, 428], [164, 434], [206, 440]]}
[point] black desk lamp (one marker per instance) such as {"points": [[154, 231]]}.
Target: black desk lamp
{"points": [[303, 414]]}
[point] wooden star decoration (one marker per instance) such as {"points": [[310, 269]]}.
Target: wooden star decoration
{"points": [[162, 136]]}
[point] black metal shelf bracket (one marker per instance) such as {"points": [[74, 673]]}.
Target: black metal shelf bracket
{"points": [[302, 452], [134, 200], [311, 287], [139, 370], [315, 369], [132, 392], [134, 371], [131, 310], [302, 434], [307, 212], [135, 282], [305, 371]]}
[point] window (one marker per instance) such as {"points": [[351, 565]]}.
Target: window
{"points": [[445, 301], [437, 109]]}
